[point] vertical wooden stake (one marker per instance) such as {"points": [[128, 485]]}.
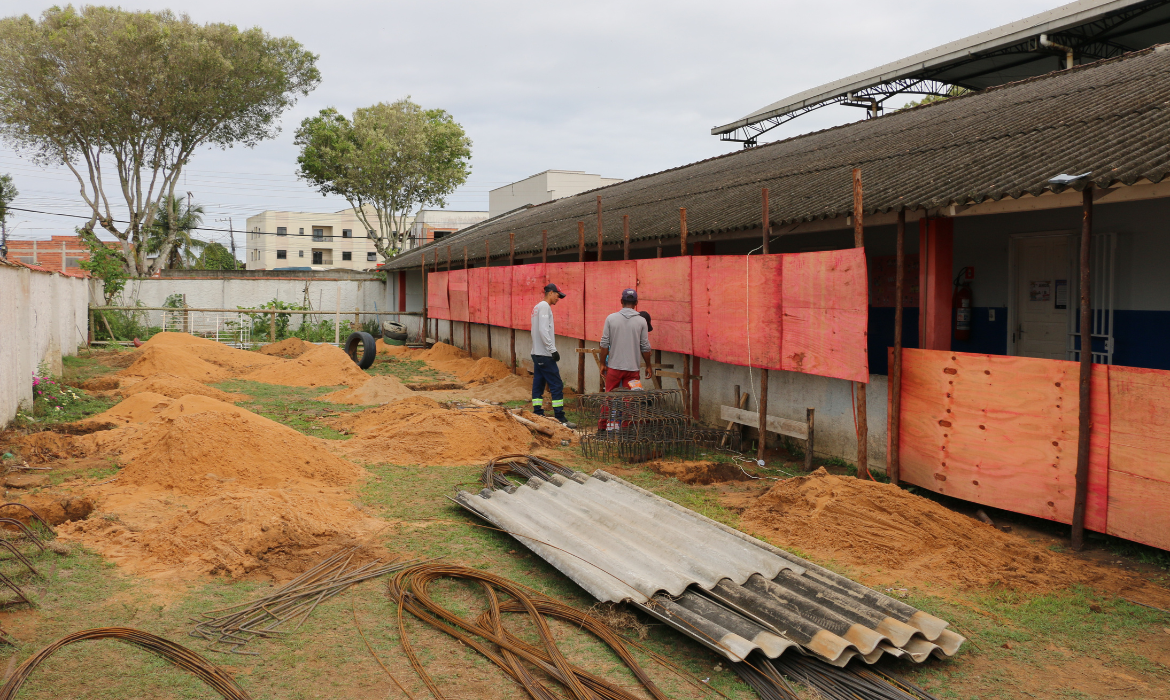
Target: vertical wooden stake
{"points": [[894, 417], [766, 225], [862, 420], [682, 244], [467, 323], [659, 252], [762, 399], [625, 236], [487, 262], [450, 323], [808, 444], [1084, 425], [695, 389], [544, 246], [512, 331], [682, 236], [600, 236], [272, 327], [657, 361], [423, 325], [581, 342]]}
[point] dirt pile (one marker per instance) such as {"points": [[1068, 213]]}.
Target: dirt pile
{"points": [[510, 388], [420, 430], [175, 361], [485, 370], [442, 352], [698, 473], [55, 508], [394, 350], [197, 445], [175, 387], [378, 390], [892, 536], [323, 365], [234, 533], [289, 348]]}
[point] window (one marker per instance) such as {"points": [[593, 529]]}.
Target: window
{"points": [[346, 233], [371, 257], [318, 257], [302, 232], [282, 255], [301, 254], [282, 230], [347, 255]]}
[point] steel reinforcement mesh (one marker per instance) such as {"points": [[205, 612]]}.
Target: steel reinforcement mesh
{"points": [[637, 426]]}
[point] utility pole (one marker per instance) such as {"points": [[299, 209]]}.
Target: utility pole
{"points": [[231, 236]]}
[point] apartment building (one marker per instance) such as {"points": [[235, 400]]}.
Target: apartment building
{"points": [[288, 239], [435, 224], [544, 187]]}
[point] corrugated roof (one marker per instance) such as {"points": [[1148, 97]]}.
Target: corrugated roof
{"points": [[730, 591], [1108, 118]]}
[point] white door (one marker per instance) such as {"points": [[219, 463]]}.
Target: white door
{"points": [[1043, 296]]}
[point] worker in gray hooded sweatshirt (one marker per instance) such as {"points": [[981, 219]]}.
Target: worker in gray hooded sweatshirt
{"points": [[624, 337], [545, 356]]}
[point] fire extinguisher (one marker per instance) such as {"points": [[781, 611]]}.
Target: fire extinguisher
{"points": [[962, 304]]}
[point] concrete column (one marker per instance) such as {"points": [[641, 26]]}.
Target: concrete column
{"points": [[935, 281]]}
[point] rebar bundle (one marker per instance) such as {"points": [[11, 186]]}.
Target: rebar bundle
{"points": [[296, 600], [523, 465], [636, 426], [769, 678]]}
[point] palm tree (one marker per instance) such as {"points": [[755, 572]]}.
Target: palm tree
{"points": [[186, 249]]}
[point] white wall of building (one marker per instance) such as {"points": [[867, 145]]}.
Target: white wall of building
{"points": [[43, 316], [544, 187], [263, 241]]}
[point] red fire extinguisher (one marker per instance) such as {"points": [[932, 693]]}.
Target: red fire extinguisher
{"points": [[962, 303]]}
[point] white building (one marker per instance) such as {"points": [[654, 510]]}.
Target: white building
{"points": [[544, 187], [435, 224], [283, 239]]}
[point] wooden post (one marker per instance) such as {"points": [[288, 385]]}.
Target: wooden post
{"points": [[487, 262], [1084, 425], [544, 246], [423, 340], [436, 269], [657, 361], [272, 327], [512, 331], [467, 323], [581, 342], [682, 242], [625, 236], [762, 399], [600, 236], [810, 414], [659, 252], [862, 423], [682, 235], [894, 417]]}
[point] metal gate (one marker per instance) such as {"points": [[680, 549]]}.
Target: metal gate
{"points": [[1102, 264]]}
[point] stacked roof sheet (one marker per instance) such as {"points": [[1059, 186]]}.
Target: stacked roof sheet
{"points": [[719, 586]]}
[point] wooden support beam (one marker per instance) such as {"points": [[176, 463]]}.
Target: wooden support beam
{"points": [[1081, 496], [658, 363], [862, 417], [487, 262], [512, 331], [783, 426], [467, 323], [894, 412], [810, 415], [581, 342], [762, 400], [450, 324], [600, 235]]}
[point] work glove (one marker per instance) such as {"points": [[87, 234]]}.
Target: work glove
{"points": [[556, 356]]}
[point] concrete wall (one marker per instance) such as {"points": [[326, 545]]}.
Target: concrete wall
{"points": [[321, 294], [43, 316]]}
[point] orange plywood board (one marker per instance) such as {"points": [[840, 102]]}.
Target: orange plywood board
{"points": [[826, 314], [604, 282], [1138, 509], [736, 303], [1001, 431], [527, 290], [477, 295], [437, 304], [664, 292], [457, 294], [500, 296], [569, 313]]}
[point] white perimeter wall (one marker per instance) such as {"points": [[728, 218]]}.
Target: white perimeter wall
{"points": [[43, 316]]}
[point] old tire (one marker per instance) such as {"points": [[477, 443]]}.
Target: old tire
{"points": [[393, 333], [369, 349]]}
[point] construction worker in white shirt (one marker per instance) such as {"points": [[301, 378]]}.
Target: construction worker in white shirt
{"points": [[545, 357]]}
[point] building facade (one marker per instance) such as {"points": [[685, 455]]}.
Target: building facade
{"points": [[285, 239], [433, 224], [543, 187]]}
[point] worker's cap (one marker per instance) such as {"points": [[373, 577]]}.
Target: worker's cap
{"points": [[550, 287], [646, 315], [629, 296]]}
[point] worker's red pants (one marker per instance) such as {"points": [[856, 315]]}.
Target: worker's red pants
{"points": [[615, 378]]}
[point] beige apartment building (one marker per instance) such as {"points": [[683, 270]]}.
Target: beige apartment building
{"points": [[544, 187], [284, 239]]}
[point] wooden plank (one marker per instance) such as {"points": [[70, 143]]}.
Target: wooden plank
{"points": [[500, 296], [664, 292], [826, 314], [569, 313], [783, 426], [527, 290], [477, 295], [457, 295], [604, 282], [1137, 509], [1139, 424]]}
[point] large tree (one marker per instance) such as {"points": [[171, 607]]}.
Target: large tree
{"points": [[387, 160], [8, 192], [123, 99]]}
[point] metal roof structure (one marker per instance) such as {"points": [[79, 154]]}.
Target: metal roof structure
{"points": [[1107, 118], [1090, 29], [725, 589]]}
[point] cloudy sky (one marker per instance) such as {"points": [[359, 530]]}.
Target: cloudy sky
{"points": [[616, 88]]}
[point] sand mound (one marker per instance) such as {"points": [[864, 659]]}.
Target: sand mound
{"points": [[197, 445], [177, 388], [510, 388], [176, 361], [891, 535], [55, 508], [324, 365], [698, 473], [441, 352], [105, 383], [288, 348], [378, 390], [485, 370], [119, 358], [234, 360], [137, 408], [420, 430], [394, 350]]}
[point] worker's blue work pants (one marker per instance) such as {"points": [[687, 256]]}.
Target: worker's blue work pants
{"points": [[545, 372]]}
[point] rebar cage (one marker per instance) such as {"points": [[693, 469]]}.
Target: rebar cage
{"points": [[640, 425]]}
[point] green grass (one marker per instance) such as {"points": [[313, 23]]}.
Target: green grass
{"points": [[409, 371], [293, 406]]}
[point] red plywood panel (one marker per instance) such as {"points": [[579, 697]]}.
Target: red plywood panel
{"points": [[664, 292], [500, 296], [1001, 431], [826, 314], [604, 282], [457, 294], [737, 309], [1139, 455], [437, 304], [569, 313], [527, 290], [477, 295], [1137, 509]]}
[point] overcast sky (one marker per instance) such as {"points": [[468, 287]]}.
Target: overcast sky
{"points": [[621, 89]]}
